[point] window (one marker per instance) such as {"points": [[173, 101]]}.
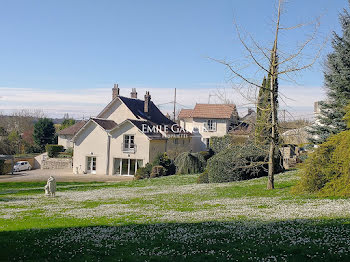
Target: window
{"points": [[210, 125], [176, 141], [129, 141]]}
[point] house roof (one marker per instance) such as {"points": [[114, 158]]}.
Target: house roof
{"points": [[249, 118], [104, 123], [185, 113], [136, 106], [140, 124], [72, 130], [218, 111]]}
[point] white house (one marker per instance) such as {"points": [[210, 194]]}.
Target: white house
{"points": [[127, 134], [208, 120]]}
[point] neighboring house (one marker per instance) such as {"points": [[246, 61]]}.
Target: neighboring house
{"points": [[66, 135], [127, 134], [208, 120], [245, 125]]}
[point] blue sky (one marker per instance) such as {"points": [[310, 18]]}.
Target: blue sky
{"points": [[64, 56]]}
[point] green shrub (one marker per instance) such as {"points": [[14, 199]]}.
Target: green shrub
{"points": [[326, 171], [2, 166], [217, 144], [190, 163], [157, 171], [203, 178], [207, 154], [144, 172], [163, 160], [240, 162], [53, 150], [69, 151]]}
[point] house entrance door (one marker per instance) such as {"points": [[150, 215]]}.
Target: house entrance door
{"points": [[91, 165]]}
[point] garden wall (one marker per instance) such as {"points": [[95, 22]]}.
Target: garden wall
{"points": [[57, 163]]}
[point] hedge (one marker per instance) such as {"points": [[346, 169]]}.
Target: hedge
{"points": [[53, 150]]}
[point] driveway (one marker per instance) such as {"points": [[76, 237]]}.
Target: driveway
{"points": [[61, 175]]}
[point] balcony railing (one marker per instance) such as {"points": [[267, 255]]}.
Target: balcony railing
{"points": [[129, 148], [210, 128]]}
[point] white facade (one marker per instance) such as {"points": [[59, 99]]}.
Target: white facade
{"points": [[114, 143], [205, 128], [65, 141]]}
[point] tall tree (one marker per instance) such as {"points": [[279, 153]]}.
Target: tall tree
{"points": [[263, 113], [44, 132], [290, 63], [337, 83]]}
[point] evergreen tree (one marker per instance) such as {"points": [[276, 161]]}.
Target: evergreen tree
{"points": [[263, 113], [337, 84], [44, 132], [263, 124]]}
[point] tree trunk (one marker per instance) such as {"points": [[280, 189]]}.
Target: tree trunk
{"points": [[270, 182]]}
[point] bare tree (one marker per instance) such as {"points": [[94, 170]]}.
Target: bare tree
{"points": [[279, 65]]}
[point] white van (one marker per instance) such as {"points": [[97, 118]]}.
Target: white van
{"points": [[22, 165]]}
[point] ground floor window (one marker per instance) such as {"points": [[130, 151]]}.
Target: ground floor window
{"points": [[126, 166], [91, 165]]}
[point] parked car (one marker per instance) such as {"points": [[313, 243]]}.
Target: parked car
{"points": [[22, 165]]}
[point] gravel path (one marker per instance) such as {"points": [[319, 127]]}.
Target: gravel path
{"points": [[61, 175]]}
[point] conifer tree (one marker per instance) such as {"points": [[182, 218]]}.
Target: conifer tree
{"points": [[262, 113], [337, 84]]}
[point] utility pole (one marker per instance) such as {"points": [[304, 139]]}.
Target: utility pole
{"points": [[175, 105]]}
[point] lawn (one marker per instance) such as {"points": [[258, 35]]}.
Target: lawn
{"points": [[172, 218]]}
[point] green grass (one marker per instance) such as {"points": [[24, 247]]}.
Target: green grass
{"points": [[171, 218]]}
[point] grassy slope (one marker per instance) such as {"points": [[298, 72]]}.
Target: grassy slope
{"points": [[140, 236]]}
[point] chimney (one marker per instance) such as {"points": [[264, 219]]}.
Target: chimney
{"points": [[115, 91], [147, 104], [133, 93]]}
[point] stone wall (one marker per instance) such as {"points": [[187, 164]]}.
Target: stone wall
{"points": [[57, 163]]}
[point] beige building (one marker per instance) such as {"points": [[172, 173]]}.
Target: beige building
{"points": [[126, 135], [66, 135], [206, 121]]}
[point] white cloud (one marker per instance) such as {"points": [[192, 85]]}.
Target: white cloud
{"points": [[89, 102]]}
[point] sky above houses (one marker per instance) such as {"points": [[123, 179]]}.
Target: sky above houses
{"points": [[64, 56]]}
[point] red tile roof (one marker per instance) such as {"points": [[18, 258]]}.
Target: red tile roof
{"points": [[216, 111], [72, 130], [185, 113]]}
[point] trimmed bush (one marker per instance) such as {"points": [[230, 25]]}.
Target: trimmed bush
{"points": [[190, 163], [163, 160], [53, 150], [217, 144], [157, 171], [69, 151], [144, 172], [240, 163]]}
